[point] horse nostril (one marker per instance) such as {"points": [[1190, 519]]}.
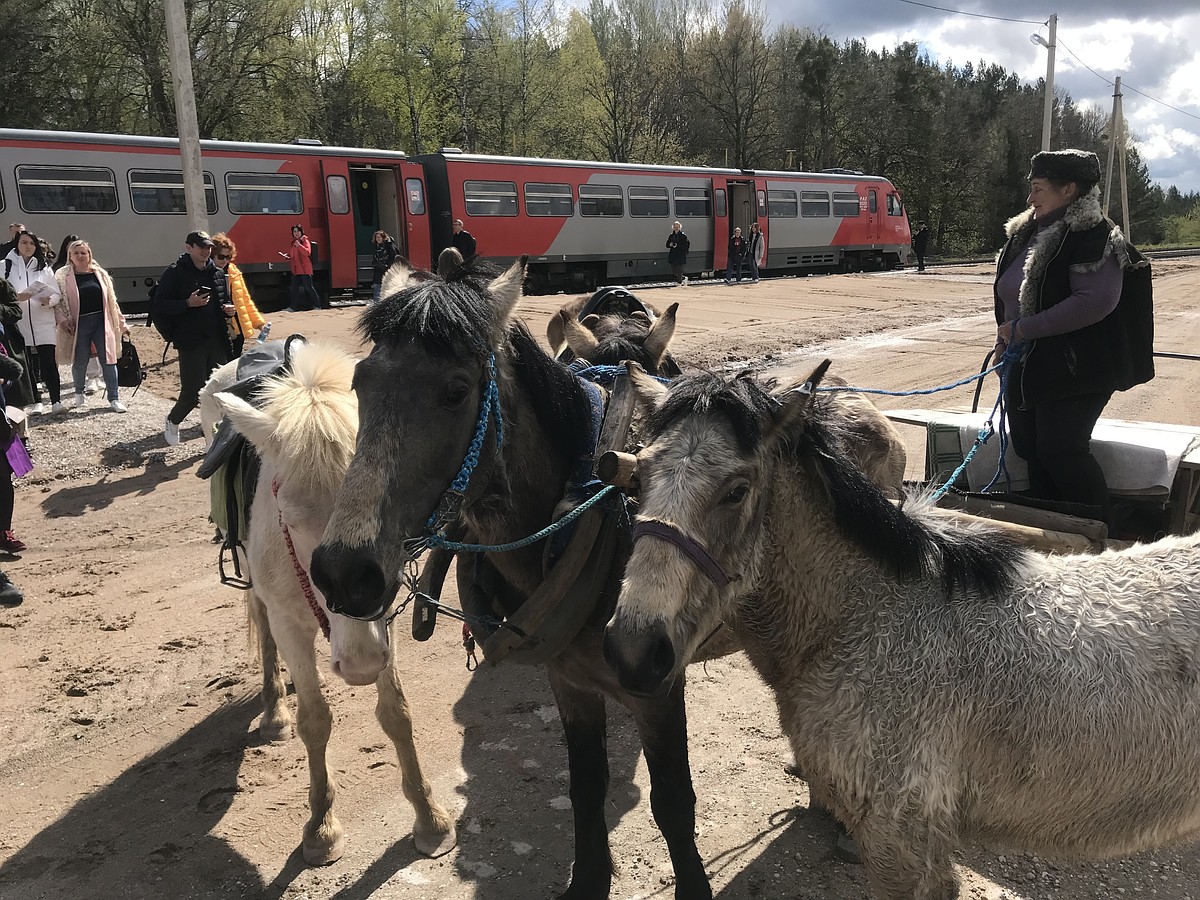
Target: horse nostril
{"points": [[662, 658], [349, 578]]}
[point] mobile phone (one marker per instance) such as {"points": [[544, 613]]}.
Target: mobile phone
{"points": [[203, 289]]}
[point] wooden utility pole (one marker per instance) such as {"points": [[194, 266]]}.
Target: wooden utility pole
{"points": [[185, 115], [1048, 113], [1112, 146], [1124, 170]]}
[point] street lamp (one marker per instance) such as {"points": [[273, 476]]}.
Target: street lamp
{"points": [[1047, 115]]}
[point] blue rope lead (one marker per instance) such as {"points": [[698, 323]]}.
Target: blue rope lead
{"points": [[437, 541]]}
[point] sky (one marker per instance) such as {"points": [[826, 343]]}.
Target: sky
{"points": [[1154, 45]]}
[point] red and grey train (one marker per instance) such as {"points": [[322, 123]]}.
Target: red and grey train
{"points": [[580, 223]]}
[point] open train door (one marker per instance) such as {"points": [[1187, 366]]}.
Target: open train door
{"points": [[735, 205], [343, 264]]}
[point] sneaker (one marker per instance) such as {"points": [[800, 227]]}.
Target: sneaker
{"points": [[171, 432], [10, 594], [80, 401], [56, 407], [11, 543], [116, 406], [36, 410], [685, 280]]}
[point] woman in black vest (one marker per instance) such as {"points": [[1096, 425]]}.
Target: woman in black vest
{"points": [[1058, 283]]}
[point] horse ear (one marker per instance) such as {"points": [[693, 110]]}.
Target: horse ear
{"points": [[590, 321], [648, 390], [399, 276], [581, 341], [794, 406], [660, 335], [641, 316], [506, 291], [256, 425]]}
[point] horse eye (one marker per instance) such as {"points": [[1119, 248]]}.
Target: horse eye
{"points": [[455, 396], [737, 495]]}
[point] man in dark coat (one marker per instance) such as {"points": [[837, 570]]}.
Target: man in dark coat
{"points": [[189, 298], [739, 249], [677, 251], [462, 241], [920, 242]]}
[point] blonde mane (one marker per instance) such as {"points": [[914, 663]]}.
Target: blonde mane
{"points": [[315, 411]]}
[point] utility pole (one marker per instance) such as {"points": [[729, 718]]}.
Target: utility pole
{"points": [[1112, 146], [1124, 168], [185, 115], [1048, 113]]}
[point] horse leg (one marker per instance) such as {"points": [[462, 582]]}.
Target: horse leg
{"points": [[433, 830], [662, 725], [323, 837], [276, 723], [906, 859], [584, 724]]}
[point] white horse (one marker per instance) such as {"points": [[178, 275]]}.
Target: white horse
{"points": [[305, 433], [938, 685]]}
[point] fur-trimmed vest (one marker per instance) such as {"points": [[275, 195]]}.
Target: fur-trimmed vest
{"points": [[1115, 353]]}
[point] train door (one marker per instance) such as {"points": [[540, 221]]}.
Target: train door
{"points": [[874, 229], [339, 226], [373, 195], [736, 204], [414, 238]]}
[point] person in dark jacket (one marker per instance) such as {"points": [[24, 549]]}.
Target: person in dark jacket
{"points": [[381, 260], [11, 373], [190, 295], [1058, 285], [14, 232], [463, 241], [920, 243], [739, 247], [677, 252]]}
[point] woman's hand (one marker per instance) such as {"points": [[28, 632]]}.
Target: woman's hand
{"points": [[1007, 333], [67, 325], [284, 255]]}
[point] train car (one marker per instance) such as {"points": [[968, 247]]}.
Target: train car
{"points": [[588, 223], [124, 195]]}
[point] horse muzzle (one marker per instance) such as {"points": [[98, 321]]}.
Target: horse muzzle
{"points": [[644, 658], [351, 581]]}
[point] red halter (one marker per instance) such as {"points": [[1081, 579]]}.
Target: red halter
{"points": [[301, 575]]}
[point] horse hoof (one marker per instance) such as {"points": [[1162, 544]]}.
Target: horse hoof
{"points": [[322, 853], [275, 732], [434, 844], [845, 848]]}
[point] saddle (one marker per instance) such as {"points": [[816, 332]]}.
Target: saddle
{"points": [[231, 465]]}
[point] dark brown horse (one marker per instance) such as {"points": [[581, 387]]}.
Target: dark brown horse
{"points": [[443, 349]]}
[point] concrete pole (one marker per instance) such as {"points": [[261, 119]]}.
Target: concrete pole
{"points": [[1124, 169], [1048, 115], [1112, 146], [185, 115]]}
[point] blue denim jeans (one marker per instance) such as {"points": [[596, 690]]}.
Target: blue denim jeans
{"points": [[90, 330]]}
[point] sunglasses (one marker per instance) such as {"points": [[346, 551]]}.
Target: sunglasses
{"points": [[224, 256]]}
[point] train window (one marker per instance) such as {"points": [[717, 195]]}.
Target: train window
{"points": [[490, 198], [845, 204], [872, 202], [548, 200], [414, 189], [648, 201], [782, 205], [692, 202], [719, 201], [54, 189], [157, 192], [339, 194], [814, 204], [260, 192], [601, 200], [762, 203], [893, 205]]}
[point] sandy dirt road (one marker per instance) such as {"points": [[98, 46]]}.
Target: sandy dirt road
{"points": [[129, 762]]}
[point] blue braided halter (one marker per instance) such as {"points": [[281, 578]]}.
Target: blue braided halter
{"points": [[448, 506]]}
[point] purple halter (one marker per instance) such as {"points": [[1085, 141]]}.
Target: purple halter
{"points": [[691, 548]]}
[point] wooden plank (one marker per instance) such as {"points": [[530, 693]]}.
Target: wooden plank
{"points": [[617, 417], [1026, 515]]}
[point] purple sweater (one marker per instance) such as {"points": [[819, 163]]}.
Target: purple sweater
{"points": [[1093, 294]]}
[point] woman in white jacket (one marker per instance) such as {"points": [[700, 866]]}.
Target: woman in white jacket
{"points": [[37, 290]]}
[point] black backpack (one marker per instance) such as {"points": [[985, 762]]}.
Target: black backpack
{"points": [[163, 324], [129, 365]]}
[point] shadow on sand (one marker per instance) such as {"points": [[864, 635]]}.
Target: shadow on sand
{"points": [[145, 835]]}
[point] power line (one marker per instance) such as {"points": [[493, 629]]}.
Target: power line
{"points": [[1123, 84], [959, 12]]}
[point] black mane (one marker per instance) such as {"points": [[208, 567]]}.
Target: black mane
{"points": [[863, 514]]}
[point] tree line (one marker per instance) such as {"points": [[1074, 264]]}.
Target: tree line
{"points": [[706, 82]]}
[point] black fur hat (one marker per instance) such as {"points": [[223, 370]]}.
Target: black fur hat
{"points": [[1080, 166], [10, 369]]}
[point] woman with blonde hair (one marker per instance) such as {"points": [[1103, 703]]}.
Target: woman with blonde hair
{"points": [[248, 320], [89, 315]]}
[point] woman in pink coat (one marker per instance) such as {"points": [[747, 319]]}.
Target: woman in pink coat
{"points": [[88, 315]]}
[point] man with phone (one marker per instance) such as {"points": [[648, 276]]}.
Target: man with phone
{"points": [[189, 306]]}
